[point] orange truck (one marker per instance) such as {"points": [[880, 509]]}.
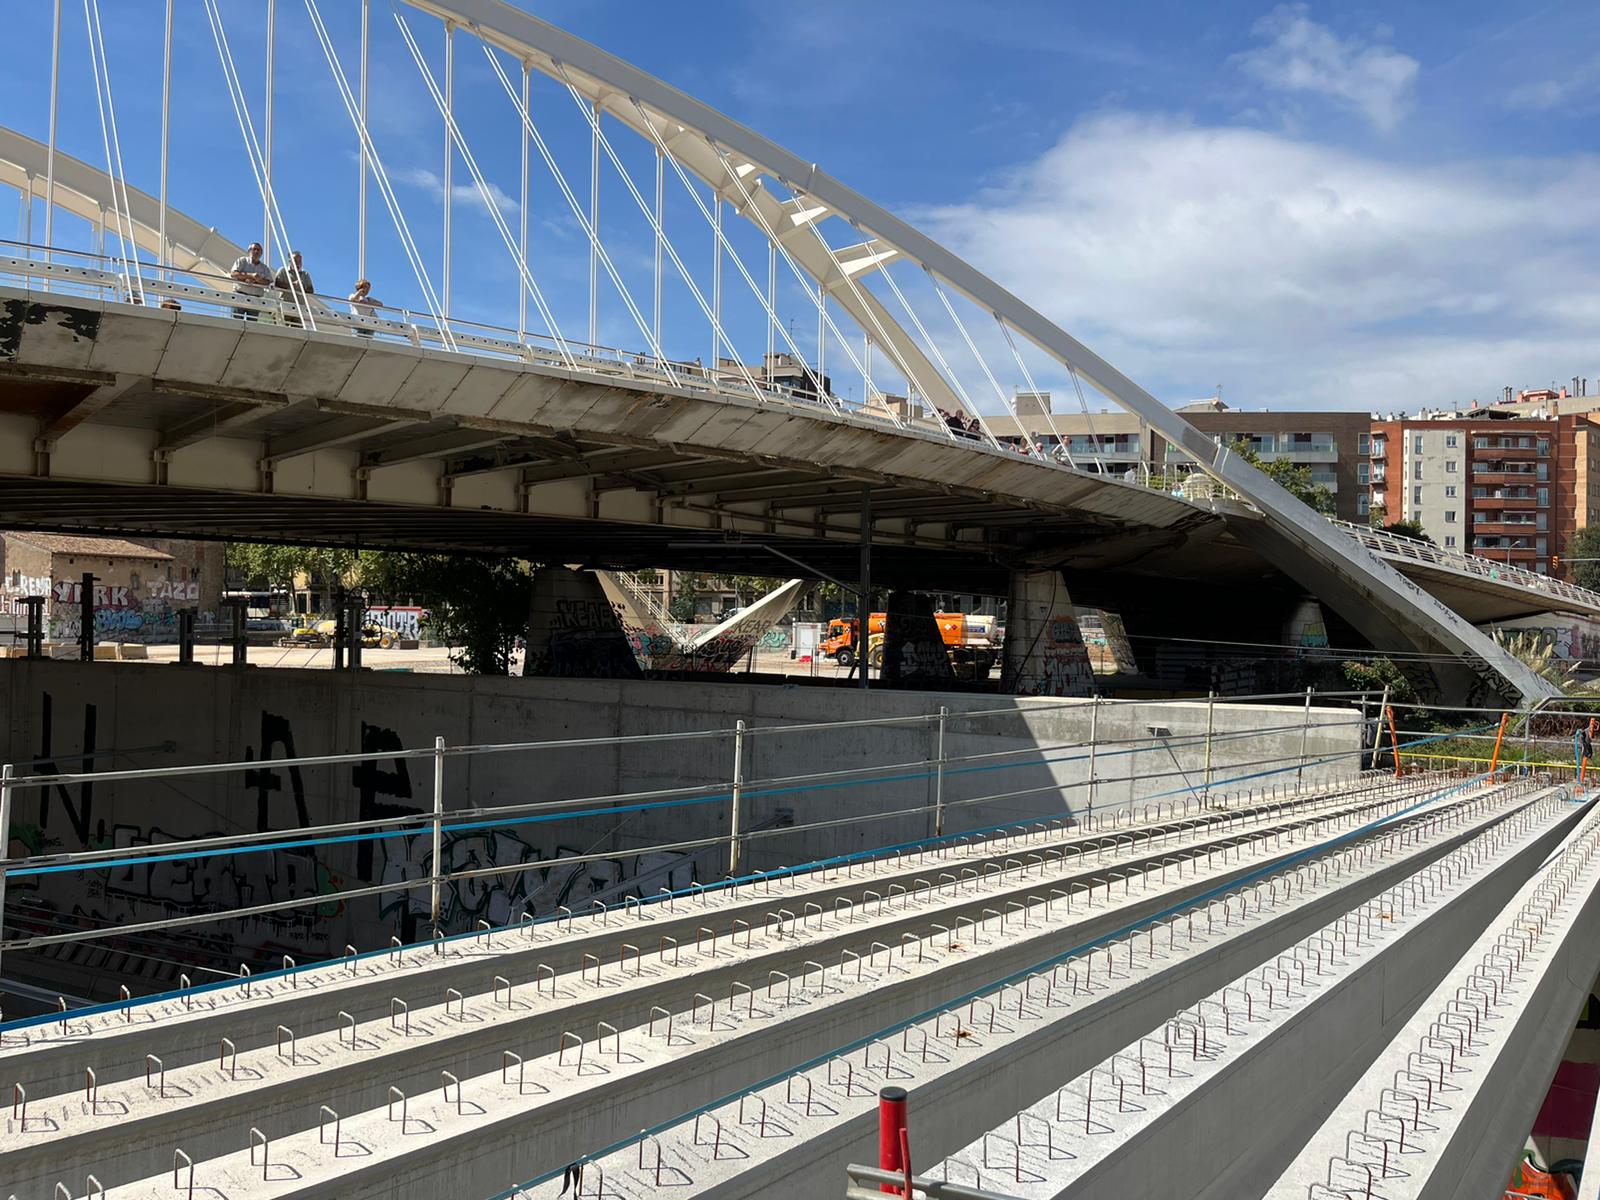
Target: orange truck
{"points": [[968, 638]]}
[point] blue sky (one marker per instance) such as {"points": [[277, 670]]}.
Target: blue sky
{"points": [[1315, 205]]}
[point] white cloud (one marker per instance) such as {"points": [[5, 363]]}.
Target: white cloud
{"points": [[1304, 56], [464, 193], [1300, 275]]}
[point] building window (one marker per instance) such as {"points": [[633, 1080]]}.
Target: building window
{"points": [[1544, 447], [133, 579], [1449, 441], [1363, 443], [1449, 516], [1416, 469], [1416, 495], [1525, 443], [1363, 473], [1543, 500], [1478, 493], [1450, 541], [1543, 473], [1450, 491], [1450, 466], [1416, 444], [1363, 505], [1539, 567], [1543, 522], [1480, 443]]}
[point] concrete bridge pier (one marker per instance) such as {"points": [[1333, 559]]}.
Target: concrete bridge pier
{"points": [[1044, 653]]}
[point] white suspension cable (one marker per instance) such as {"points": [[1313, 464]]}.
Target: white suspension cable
{"points": [[1094, 438], [664, 243], [380, 174], [824, 323], [1027, 377], [577, 210], [522, 211], [938, 355], [966, 336], [241, 112], [485, 193], [108, 139], [772, 316]]}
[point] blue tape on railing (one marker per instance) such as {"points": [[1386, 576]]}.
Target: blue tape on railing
{"points": [[664, 896], [1015, 977], [111, 864]]}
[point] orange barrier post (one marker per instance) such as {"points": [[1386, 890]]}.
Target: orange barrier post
{"points": [[1394, 742], [1494, 760]]}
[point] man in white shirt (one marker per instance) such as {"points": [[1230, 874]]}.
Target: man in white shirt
{"points": [[251, 277]]}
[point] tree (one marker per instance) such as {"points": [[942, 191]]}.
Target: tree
{"points": [[1293, 478], [750, 588], [265, 566], [1585, 544], [681, 607], [1409, 527], [476, 605]]}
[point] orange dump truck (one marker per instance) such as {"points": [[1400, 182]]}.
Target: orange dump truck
{"points": [[969, 639]]}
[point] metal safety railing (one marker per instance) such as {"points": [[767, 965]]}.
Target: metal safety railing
{"points": [[1214, 766], [1393, 545]]}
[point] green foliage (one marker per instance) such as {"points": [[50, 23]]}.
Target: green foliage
{"points": [[265, 566], [1375, 674], [750, 588], [1410, 527], [681, 607], [477, 606], [1293, 478], [1585, 544], [1537, 652]]}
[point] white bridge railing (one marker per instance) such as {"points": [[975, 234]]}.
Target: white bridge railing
{"points": [[1393, 545]]}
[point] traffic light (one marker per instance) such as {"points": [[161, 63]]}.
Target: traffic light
{"points": [[1555, 562]]}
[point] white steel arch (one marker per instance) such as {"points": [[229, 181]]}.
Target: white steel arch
{"points": [[732, 159], [86, 191]]}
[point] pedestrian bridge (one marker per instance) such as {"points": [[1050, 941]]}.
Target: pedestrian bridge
{"points": [[133, 397]]}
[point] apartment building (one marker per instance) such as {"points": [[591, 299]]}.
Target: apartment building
{"points": [[1333, 445], [1484, 484]]}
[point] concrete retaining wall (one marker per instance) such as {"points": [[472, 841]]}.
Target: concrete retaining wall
{"points": [[147, 715]]}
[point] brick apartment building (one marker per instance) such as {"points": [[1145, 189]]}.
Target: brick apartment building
{"points": [[1511, 481]]}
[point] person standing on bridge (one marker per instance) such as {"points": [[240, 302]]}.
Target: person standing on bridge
{"points": [[252, 277], [363, 305], [295, 280]]}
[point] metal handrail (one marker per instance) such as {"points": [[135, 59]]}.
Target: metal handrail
{"points": [[1399, 546]]}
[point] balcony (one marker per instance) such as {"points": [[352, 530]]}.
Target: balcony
{"points": [[1507, 474], [1514, 529], [1517, 453]]}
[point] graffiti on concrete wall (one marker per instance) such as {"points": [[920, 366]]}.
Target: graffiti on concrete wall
{"points": [[122, 612]]}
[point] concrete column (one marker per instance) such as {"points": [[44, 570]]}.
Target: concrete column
{"points": [[913, 649], [573, 631], [1306, 626], [1044, 651]]}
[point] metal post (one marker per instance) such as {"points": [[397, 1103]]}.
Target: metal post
{"points": [[341, 620], [162, 257], [355, 621], [661, 163], [594, 230], [938, 777], [7, 774], [50, 153], [361, 189], [1211, 708], [241, 644], [522, 211], [1377, 734], [772, 304], [86, 618], [266, 139], [716, 281], [438, 831], [864, 609], [734, 848], [35, 606], [449, 152], [1094, 738], [186, 636], [1305, 733]]}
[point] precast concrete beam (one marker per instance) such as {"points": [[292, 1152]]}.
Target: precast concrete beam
{"points": [[1219, 1098], [381, 1052], [1445, 1110], [185, 1028], [521, 1112], [428, 1031]]}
